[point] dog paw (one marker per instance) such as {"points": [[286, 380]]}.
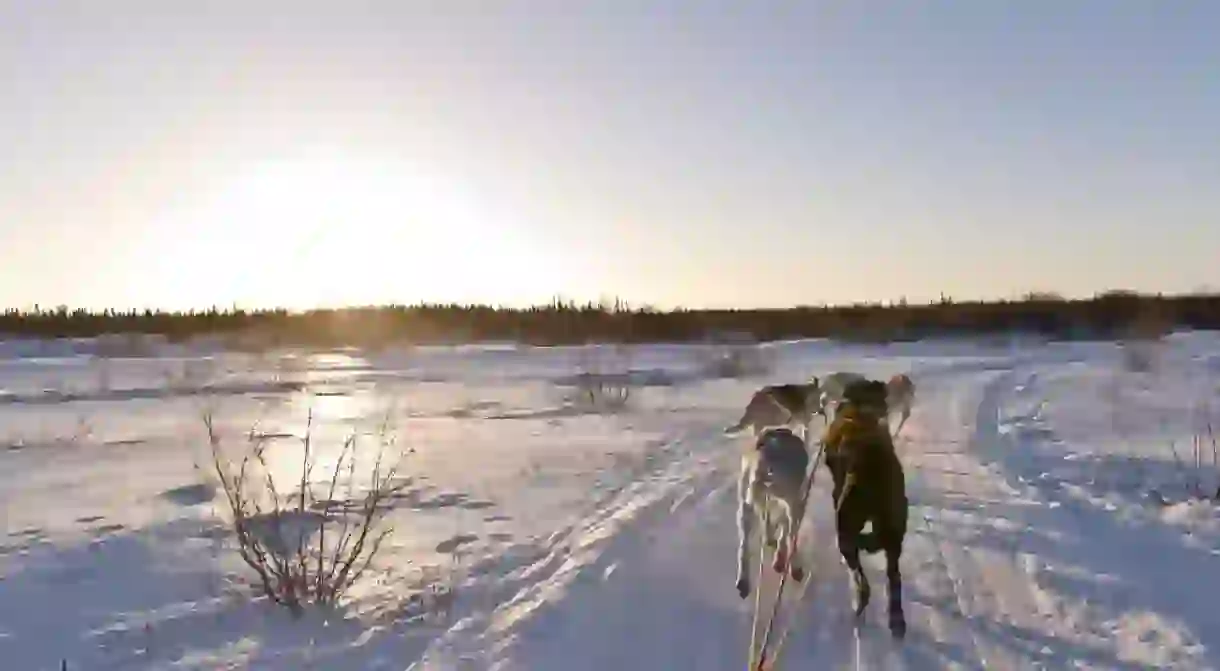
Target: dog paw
{"points": [[898, 625], [743, 587], [780, 564]]}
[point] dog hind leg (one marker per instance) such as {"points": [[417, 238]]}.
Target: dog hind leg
{"points": [[893, 535], [893, 577], [906, 414], [770, 534], [745, 523], [785, 553], [848, 527], [795, 568], [780, 560]]}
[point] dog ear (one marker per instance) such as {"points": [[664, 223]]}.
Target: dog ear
{"points": [[881, 394]]}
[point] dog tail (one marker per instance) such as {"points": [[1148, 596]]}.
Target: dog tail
{"points": [[738, 427]]}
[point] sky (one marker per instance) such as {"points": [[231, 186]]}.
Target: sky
{"points": [[699, 153]]}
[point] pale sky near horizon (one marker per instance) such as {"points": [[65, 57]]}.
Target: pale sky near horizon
{"points": [[707, 153]]}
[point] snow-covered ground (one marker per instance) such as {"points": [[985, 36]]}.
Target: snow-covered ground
{"points": [[1052, 525]]}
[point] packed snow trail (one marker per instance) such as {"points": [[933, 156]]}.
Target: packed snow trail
{"points": [[658, 593]]}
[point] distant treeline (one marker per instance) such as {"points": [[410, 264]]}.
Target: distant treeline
{"points": [[1114, 314]]}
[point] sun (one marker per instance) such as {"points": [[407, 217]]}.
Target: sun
{"points": [[334, 229]]}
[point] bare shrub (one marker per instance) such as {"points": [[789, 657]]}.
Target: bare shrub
{"points": [[118, 345], [733, 355], [604, 392], [1139, 356], [1204, 443], [1144, 340], [604, 380], [102, 370], [82, 432], [1215, 450], [736, 361], [304, 548], [251, 340], [287, 367], [1195, 474], [189, 375], [1199, 473]]}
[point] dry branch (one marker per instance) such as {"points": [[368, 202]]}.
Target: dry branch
{"points": [[336, 539]]}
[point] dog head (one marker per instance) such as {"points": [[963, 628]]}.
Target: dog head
{"points": [[900, 385], [858, 428], [866, 399]]}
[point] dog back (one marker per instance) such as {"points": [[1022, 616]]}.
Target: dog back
{"points": [[794, 397], [835, 384], [782, 455], [775, 406], [864, 442]]}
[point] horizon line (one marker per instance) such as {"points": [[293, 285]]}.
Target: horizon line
{"points": [[616, 304]]}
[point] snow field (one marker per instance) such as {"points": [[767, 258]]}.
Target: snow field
{"points": [[1051, 524]]}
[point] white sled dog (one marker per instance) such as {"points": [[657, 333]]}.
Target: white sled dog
{"points": [[771, 489], [774, 405]]}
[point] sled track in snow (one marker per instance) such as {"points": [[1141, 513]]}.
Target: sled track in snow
{"points": [[676, 475], [1026, 579], [645, 581]]}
